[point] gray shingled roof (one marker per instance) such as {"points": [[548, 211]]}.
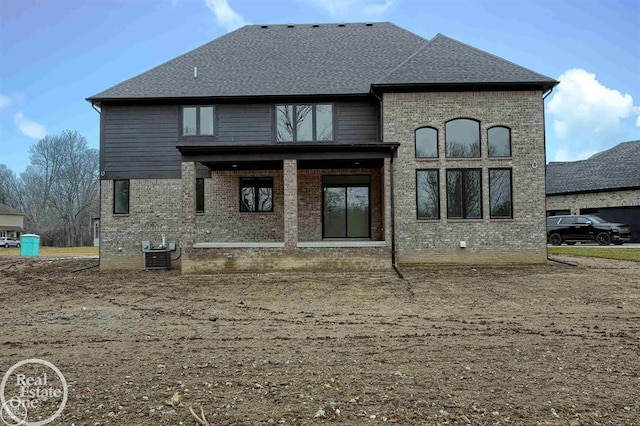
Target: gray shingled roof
{"points": [[5, 209], [444, 60], [318, 59], [615, 168]]}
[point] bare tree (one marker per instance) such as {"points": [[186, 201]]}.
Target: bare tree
{"points": [[9, 192], [60, 188]]}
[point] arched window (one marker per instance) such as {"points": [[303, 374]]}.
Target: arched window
{"points": [[499, 138], [426, 143], [462, 138]]}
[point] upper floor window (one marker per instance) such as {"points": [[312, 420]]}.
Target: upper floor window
{"points": [[198, 120], [426, 143], [499, 141], [462, 138], [304, 123]]}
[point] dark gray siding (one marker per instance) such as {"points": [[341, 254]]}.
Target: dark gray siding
{"points": [[140, 141], [357, 122]]}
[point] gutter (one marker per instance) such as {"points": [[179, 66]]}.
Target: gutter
{"points": [[394, 261], [547, 94], [93, 105]]}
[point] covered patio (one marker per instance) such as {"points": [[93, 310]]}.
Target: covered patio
{"points": [[292, 207]]}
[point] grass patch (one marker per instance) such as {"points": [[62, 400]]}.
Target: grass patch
{"points": [[54, 251], [632, 254]]}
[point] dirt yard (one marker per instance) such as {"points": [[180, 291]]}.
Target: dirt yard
{"points": [[546, 345]]}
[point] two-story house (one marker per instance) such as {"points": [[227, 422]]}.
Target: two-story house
{"points": [[325, 147]]}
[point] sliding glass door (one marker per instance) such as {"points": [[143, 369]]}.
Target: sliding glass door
{"points": [[346, 207]]}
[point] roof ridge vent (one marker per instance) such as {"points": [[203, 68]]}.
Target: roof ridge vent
{"points": [[264, 26], [369, 24], [315, 25], [290, 26], [341, 25]]}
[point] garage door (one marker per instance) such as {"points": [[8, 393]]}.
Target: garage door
{"points": [[628, 215]]}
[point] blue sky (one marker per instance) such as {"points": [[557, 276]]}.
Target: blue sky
{"points": [[55, 53]]}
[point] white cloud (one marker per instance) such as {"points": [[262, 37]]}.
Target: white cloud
{"points": [[29, 128], [353, 9], [587, 116], [225, 15], [5, 101], [584, 107]]}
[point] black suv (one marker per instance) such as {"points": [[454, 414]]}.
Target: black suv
{"points": [[585, 228]]}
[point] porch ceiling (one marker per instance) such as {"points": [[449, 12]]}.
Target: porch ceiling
{"points": [[213, 155], [369, 163]]}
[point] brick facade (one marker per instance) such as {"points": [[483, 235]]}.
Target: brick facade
{"points": [[575, 202], [219, 260], [168, 205], [154, 208], [517, 240], [222, 220]]}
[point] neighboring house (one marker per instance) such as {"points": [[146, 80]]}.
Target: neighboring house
{"points": [[606, 184], [11, 222], [325, 147]]}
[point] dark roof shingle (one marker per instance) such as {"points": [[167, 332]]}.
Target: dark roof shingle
{"points": [[5, 209], [322, 59], [615, 168], [447, 61]]}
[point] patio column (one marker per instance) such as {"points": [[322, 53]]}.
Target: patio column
{"points": [[386, 190], [290, 171], [188, 222]]}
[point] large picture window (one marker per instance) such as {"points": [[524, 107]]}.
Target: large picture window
{"points": [[304, 123], [198, 120], [346, 206], [464, 193], [121, 196], [500, 199], [499, 141], [426, 143], [256, 194], [462, 138], [428, 194]]}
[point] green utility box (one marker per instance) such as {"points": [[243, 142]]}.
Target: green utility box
{"points": [[30, 245]]}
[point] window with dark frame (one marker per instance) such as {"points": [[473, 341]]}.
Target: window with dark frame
{"points": [[121, 196], [500, 194], [462, 138], [198, 120], [256, 194], [428, 193], [200, 195], [464, 193], [304, 123], [346, 206], [499, 141], [426, 142]]}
